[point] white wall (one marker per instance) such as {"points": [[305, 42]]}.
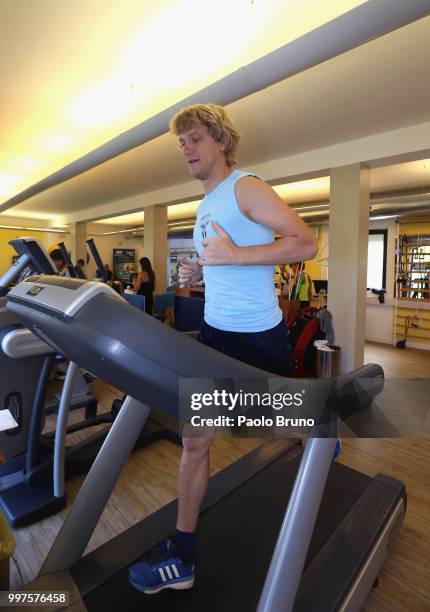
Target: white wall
{"points": [[379, 322]]}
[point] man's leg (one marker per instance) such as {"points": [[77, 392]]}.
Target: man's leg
{"points": [[174, 567], [192, 481]]}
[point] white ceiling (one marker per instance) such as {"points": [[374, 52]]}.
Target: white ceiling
{"points": [[76, 74], [375, 88], [393, 178]]}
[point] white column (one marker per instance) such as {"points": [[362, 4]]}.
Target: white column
{"points": [[155, 244], [78, 246], [347, 265]]}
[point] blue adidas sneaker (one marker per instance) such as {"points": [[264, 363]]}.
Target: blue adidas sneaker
{"points": [[337, 449], [162, 568]]}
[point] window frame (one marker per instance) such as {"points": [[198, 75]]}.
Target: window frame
{"points": [[384, 233]]}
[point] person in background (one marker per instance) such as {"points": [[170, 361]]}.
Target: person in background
{"points": [[304, 286], [109, 273], [145, 283], [57, 257], [81, 264]]}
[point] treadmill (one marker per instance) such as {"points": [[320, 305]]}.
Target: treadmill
{"points": [[27, 490], [280, 529]]}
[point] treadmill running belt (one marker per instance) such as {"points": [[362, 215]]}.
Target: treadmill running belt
{"points": [[236, 538]]}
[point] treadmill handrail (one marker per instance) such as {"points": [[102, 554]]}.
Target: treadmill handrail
{"points": [[67, 260], [97, 259]]}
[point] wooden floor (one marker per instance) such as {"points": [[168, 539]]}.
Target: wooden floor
{"points": [[405, 580]]}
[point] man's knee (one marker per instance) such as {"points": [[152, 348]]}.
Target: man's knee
{"points": [[196, 446]]}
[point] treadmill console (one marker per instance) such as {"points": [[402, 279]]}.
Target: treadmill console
{"points": [[57, 295]]}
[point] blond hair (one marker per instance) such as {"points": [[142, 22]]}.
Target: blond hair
{"points": [[219, 125]]}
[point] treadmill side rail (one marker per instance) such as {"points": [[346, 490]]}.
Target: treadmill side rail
{"points": [[283, 578], [93, 495], [341, 576], [359, 592]]}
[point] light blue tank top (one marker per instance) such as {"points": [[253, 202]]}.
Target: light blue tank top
{"points": [[237, 298]]}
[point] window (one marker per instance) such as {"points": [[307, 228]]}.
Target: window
{"points": [[377, 259]]}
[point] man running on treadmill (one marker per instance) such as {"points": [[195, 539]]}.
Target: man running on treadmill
{"points": [[234, 237]]}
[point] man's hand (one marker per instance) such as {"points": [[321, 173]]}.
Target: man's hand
{"points": [[218, 250], [189, 272]]}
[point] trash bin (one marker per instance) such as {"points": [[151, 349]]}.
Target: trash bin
{"points": [[7, 547], [328, 361]]}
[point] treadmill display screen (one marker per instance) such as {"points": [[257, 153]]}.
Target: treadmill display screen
{"points": [[35, 290]]}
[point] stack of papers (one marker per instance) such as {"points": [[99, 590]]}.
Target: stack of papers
{"points": [[6, 420]]}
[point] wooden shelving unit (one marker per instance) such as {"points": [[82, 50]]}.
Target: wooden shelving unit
{"points": [[413, 268], [412, 289]]}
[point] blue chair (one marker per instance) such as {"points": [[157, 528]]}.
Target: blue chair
{"points": [[135, 300], [163, 301], [189, 313]]}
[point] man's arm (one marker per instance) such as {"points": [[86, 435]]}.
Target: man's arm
{"points": [[260, 203]]}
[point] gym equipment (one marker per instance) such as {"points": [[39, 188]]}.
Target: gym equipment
{"points": [[31, 255], [82, 397], [19, 382], [98, 261], [74, 271], [156, 427], [23, 385], [409, 323], [26, 363], [304, 329], [115, 284], [328, 568]]}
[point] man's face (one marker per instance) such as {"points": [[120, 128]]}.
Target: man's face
{"points": [[59, 264], [202, 153]]}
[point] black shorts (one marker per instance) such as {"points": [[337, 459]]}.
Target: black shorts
{"points": [[268, 350]]}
